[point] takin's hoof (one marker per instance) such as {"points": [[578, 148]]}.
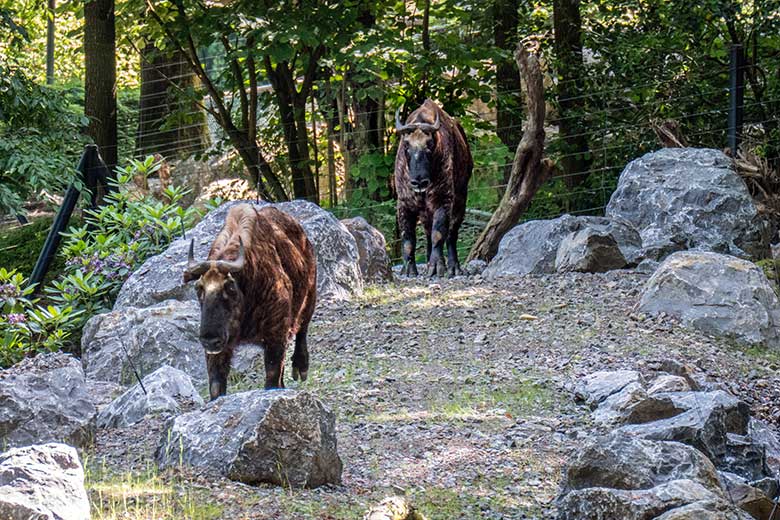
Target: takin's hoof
{"points": [[409, 269], [302, 374], [454, 271], [437, 270]]}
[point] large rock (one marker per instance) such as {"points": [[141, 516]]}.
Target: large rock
{"points": [[718, 294], [42, 482], [45, 399], [715, 423], [372, 250], [282, 437], [636, 504], [763, 435], [532, 247], [750, 498], [621, 461], [688, 198], [160, 277], [589, 251], [596, 387], [112, 344], [706, 510], [163, 393]]}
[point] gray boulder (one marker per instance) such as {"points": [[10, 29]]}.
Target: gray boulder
{"points": [[532, 247], [750, 498], [706, 510], [166, 389], [589, 250], [42, 482], [624, 462], [704, 420], [635, 504], [689, 198], [766, 437], [45, 399], [717, 294], [281, 437], [668, 383], [160, 277], [618, 407], [372, 250], [164, 334], [596, 387]]}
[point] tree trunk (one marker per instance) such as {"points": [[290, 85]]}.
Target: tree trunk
{"points": [[100, 77], [509, 105], [52, 5], [575, 161], [159, 100], [529, 171]]}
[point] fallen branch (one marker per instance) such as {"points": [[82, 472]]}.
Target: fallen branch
{"points": [[529, 170]]}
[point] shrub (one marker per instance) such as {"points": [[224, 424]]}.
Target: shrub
{"points": [[99, 255]]}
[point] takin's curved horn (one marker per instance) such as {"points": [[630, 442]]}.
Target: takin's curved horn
{"points": [[194, 269], [236, 265], [400, 128], [425, 127]]}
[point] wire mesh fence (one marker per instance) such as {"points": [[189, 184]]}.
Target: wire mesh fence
{"points": [[612, 124]]}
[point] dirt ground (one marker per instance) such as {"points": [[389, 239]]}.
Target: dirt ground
{"points": [[454, 393]]}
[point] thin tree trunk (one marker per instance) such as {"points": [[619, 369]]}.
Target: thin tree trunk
{"points": [[529, 170], [100, 78], [159, 100], [52, 5], [509, 99], [568, 48]]}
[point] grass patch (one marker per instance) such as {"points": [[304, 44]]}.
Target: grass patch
{"points": [[145, 495], [520, 398]]}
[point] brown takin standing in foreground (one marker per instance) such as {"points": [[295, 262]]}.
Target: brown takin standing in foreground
{"points": [[432, 171], [258, 285]]}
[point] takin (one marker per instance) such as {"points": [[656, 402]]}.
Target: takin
{"points": [[258, 285], [432, 171]]}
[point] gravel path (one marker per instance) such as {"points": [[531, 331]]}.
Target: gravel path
{"points": [[457, 394]]}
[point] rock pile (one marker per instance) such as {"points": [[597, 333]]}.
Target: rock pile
{"points": [[677, 448]]}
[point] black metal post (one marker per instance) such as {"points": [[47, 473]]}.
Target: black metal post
{"points": [[736, 96], [88, 158]]}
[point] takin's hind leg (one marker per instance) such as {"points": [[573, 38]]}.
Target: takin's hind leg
{"points": [[453, 264], [218, 368], [300, 359]]}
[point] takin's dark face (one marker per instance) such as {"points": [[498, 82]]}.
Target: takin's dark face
{"points": [[221, 301], [419, 156]]}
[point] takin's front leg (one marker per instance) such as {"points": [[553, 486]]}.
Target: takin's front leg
{"points": [[453, 264], [439, 232], [407, 223], [218, 368], [274, 366], [300, 359]]}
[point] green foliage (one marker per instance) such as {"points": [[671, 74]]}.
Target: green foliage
{"points": [[39, 139], [20, 246], [113, 241]]}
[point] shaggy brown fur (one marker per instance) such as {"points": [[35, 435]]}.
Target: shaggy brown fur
{"points": [[269, 301], [445, 155]]}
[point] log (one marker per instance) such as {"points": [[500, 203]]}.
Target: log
{"points": [[529, 169], [393, 508]]}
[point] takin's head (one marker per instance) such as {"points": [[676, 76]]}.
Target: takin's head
{"points": [[418, 142], [220, 297]]}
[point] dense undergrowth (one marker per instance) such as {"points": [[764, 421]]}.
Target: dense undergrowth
{"points": [[96, 257]]}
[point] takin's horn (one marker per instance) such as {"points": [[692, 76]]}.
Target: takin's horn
{"points": [[425, 127], [398, 126], [194, 269], [236, 265]]}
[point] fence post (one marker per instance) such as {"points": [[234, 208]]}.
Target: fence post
{"points": [[88, 159], [736, 96]]}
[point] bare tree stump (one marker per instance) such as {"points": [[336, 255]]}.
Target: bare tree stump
{"points": [[529, 170], [393, 508]]}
